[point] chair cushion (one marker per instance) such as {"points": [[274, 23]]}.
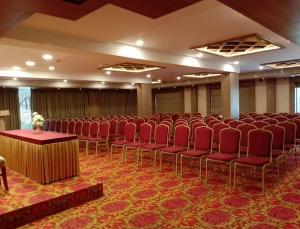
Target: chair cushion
{"points": [[91, 139], [174, 149], [222, 156], [256, 161], [153, 146], [289, 146], [276, 153], [2, 162], [120, 142], [194, 153], [136, 144], [243, 149]]}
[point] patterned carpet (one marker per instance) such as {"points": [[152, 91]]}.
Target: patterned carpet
{"points": [[139, 198]]}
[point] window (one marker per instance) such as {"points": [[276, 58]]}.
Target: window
{"points": [[297, 99], [25, 107]]}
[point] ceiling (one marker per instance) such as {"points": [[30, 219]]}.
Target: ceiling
{"points": [[102, 33]]}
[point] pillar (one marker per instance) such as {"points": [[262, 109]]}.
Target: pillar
{"points": [[260, 96], [284, 95], [144, 99], [202, 94], [190, 99], [230, 95]]}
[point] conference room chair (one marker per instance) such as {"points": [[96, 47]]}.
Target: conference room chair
{"points": [[184, 123], [3, 172], [83, 137], [181, 143], [103, 136], [292, 116], [195, 120], [154, 118], [207, 119], [245, 128], [235, 123], [192, 134], [260, 124], [278, 154], [71, 127], [52, 125], [228, 120], [145, 139], [218, 127], [130, 119], [58, 125], [46, 125], [259, 154], [202, 147], [229, 150], [281, 118], [129, 137], [289, 138], [175, 117], [161, 141], [64, 126], [260, 118], [271, 121], [267, 114], [296, 121], [213, 122], [113, 128], [121, 129], [153, 127], [93, 135], [247, 120]]}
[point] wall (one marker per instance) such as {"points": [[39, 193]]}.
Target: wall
{"points": [[169, 100]]}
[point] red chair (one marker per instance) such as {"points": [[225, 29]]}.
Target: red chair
{"points": [[93, 135], [175, 117], [113, 128], [181, 143], [121, 129], [216, 134], [85, 133], [245, 128], [78, 128], [297, 122], [139, 122], [260, 124], [145, 139], [130, 119], [58, 126], [153, 125], [213, 122], [259, 154], [278, 155], [247, 120], [235, 123], [260, 118], [228, 120], [52, 125], [229, 150], [291, 116], [281, 118], [129, 137], [46, 125], [202, 146], [194, 126], [161, 141], [271, 121], [181, 123], [103, 136], [208, 119], [71, 127], [64, 126]]}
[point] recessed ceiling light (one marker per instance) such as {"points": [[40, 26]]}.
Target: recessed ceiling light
{"points": [[159, 81], [16, 68], [139, 42], [132, 84], [148, 75], [178, 78], [103, 82], [30, 63], [51, 68], [236, 62], [108, 72], [47, 57], [15, 78], [261, 67], [200, 54], [65, 81]]}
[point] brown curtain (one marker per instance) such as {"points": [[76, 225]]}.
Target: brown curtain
{"points": [[67, 103], [9, 100]]}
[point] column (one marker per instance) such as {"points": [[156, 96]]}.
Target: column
{"points": [[230, 95], [260, 96], [284, 95], [190, 99], [202, 100], [144, 99]]}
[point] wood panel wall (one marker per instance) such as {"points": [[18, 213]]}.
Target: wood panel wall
{"points": [[247, 96], [169, 100]]}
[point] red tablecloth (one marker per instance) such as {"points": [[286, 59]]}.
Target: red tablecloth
{"points": [[40, 138]]}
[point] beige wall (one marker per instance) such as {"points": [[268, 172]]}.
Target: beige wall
{"points": [[282, 95], [260, 96], [202, 99]]}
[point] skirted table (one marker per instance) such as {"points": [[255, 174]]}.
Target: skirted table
{"points": [[45, 157]]}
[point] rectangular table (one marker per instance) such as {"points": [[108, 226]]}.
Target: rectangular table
{"points": [[44, 157]]}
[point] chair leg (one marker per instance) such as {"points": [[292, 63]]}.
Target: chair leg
{"points": [[200, 172], [230, 174], [111, 151], [137, 156], [181, 166], [176, 163], [160, 159], [86, 147], [154, 161], [96, 148], [263, 179], [3, 172], [206, 163], [234, 175]]}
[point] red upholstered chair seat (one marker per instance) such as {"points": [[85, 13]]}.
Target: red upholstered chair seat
{"points": [[83, 137], [289, 146], [153, 146], [120, 142], [136, 144], [255, 161], [276, 153], [195, 153], [222, 156], [174, 149]]}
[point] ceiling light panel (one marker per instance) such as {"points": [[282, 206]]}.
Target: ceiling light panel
{"points": [[201, 75], [284, 64], [130, 67]]}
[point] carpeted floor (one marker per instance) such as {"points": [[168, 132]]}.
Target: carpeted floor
{"points": [[139, 198]]}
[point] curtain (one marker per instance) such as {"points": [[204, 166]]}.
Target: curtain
{"points": [[9, 100], [75, 103]]}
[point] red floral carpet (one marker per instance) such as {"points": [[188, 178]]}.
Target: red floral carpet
{"points": [[139, 198]]}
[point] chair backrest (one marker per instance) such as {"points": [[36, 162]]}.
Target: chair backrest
{"points": [[113, 125], [228, 120], [208, 119], [247, 120], [130, 119], [130, 130], [170, 125], [71, 127], [121, 127], [297, 122], [290, 132], [291, 116], [260, 143], [145, 133], [162, 134], [64, 126], [175, 117], [181, 135], [94, 129], [103, 131], [168, 120], [86, 128], [58, 125], [78, 127], [260, 124], [260, 118], [139, 122], [52, 125], [154, 118], [213, 122], [184, 123], [216, 131], [230, 141], [194, 126], [153, 124], [245, 128], [278, 136], [46, 125], [281, 118], [235, 123], [203, 138], [271, 121]]}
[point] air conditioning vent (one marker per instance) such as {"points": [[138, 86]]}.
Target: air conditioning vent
{"points": [[76, 2]]}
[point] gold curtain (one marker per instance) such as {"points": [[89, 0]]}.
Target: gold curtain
{"points": [[67, 103], [9, 100]]}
